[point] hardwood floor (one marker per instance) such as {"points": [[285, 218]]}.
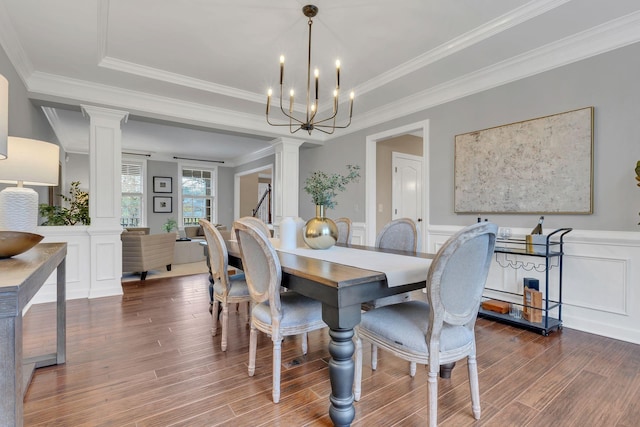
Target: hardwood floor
{"points": [[148, 359]]}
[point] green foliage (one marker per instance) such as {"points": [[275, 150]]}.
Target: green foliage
{"points": [[170, 225], [324, 188], [76, 211]]}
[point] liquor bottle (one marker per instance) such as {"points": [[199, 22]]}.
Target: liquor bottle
{"points": [[538, 228]]}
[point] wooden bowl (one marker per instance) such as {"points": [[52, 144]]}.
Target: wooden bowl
{"points": [[16, 242]]}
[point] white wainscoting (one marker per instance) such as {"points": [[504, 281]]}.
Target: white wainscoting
{"points": [[599, 272], [80, 240]]}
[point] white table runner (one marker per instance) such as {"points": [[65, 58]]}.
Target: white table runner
{"points": [[399, 269]]}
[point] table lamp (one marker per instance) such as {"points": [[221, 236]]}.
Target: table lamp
{"points": [[28, 162], [4, 116]]}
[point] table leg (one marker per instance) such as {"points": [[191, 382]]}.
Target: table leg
{"points": [[445, 370], [341, 370], [61, 318], [11, 374]]}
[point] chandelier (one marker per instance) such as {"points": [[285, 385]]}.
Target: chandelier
{"points": [[311, 122]]}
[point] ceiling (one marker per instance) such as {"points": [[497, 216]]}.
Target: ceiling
{"points": [[193, 74]]}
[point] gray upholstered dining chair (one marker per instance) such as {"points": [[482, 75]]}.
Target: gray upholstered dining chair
{"points": [[400, 234], [442, 330], [344, 230], [274, 313], [226, 289]]}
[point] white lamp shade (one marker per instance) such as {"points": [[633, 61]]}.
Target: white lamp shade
{"points": [[4, 116], [31, 162]]}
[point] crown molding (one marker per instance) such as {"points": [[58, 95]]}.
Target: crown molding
{"points": [[483, 32], [178, 79], [44, 85], [256, 155], [609, 36], [103, 28], [12, 46]]}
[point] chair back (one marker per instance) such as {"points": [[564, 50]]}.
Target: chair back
{"points": [[457, 277], [400, 234], [218, 255], [344, 230], [258, 223], [260, 264]]}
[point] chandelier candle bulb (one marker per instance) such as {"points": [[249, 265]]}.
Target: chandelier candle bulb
{"points": [[281, 68], [351, 104], [269, 92], [291, 101]]}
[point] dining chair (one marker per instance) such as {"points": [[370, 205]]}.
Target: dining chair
{"points": [[260, 224], [226, 289], [441, 330], [274, 313], [400, 234], [344, 230]]}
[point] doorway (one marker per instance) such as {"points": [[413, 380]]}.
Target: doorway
{"points": [[374, 197], [249, 193]]}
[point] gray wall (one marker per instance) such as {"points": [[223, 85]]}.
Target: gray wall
{"points": [[168, 169], [609, 82], [225, 196], [25, 119]]}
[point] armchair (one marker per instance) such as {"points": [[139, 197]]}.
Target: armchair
{"points": [[143, 252]]}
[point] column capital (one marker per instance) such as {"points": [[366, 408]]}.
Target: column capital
{"points": [[94, 112], [284, 143]]}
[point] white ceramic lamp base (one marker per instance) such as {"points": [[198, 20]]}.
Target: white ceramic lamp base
{"points": [[19, 209]]}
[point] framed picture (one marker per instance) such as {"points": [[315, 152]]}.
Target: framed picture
{"points": [[162, 204], [542, 165], [162, 184]]}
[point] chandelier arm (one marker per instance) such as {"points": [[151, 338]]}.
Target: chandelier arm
{"points": [[335, 127], [332, 117], [284, 112]]}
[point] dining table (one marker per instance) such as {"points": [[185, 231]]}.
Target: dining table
{"points": [[342, 278]]}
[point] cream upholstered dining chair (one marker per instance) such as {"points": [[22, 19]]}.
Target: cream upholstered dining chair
{"points": [[257, 222], [274, 313], [442, 330], [344, 230], [226, 289]]}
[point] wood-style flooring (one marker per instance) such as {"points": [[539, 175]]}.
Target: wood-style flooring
{"points": [[148, 359]]}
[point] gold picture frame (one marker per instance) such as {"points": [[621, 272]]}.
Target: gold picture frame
{"points": [[542, 165]]}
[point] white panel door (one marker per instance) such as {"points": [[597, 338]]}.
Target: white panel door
{"points": [[406, 186]]}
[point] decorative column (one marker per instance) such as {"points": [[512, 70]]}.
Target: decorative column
{"points": [[287, 178], [105, 166]]}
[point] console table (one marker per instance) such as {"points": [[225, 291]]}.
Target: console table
{"points": [[20, 279]]}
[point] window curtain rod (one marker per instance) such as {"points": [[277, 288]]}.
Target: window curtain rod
{"points": [[198, 160], [136, 154]]}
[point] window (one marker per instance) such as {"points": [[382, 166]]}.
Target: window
{"points": [[132, 205], [197, 195]]}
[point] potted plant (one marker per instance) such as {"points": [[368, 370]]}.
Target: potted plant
{"points": [[169, 225], [76, 211], [321, 232]]}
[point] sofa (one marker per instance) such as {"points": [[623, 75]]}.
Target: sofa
{"points": [[143, 252]]}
